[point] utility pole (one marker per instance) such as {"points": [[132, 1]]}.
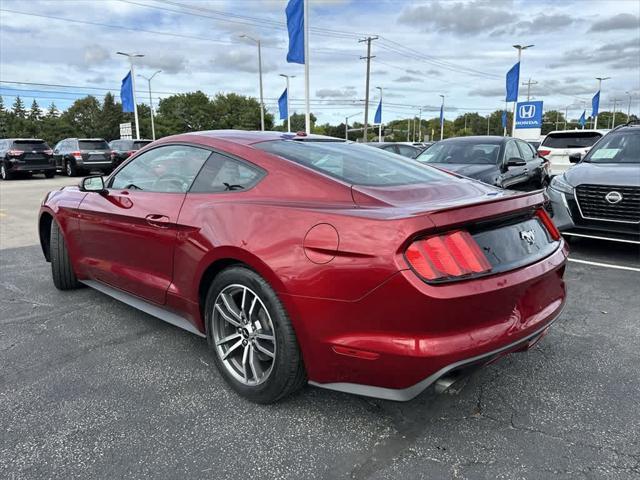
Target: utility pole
{"points": [[528, 84], [488, 120], [600, 79], [288, 93], [366, 96], [442, 119], [629, 107], [557, 118], [133, 87], [566, 114], [408, 128], [420, 124], [520, 48], [257, 42], [153, 127], [613, 120]]}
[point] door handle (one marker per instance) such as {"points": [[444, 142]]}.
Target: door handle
{"points": [[156, 220]]}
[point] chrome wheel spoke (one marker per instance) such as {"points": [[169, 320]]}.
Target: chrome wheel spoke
{"points": [[263, 350], [244, 363], [255, 365], [227, 317], [264, 336], [228, 338], [227, 303], [231, 349]]}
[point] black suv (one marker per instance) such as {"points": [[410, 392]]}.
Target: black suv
{"points": [[123, 149], [600, 196], [74, 156], [25, 155]]}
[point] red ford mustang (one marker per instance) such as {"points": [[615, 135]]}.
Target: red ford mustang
{"points": [[302, 258]]}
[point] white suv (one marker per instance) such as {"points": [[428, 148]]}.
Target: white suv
{"points": [[557, 146]]}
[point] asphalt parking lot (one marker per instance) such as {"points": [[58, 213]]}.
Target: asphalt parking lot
{"points": [[91, 388]]}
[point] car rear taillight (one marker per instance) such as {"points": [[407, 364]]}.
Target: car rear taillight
{"points": [[130, 152], [15, 153], [76, 155], [544, 153], [446, 256], [543, 216]]}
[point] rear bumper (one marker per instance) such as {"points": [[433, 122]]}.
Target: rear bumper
{"points": [[406, 394], [404, 335], [22, 166]]}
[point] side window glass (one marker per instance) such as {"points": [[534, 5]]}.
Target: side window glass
{"points": [[527, 152], [224, 174], [511, 151], [167, 169]]}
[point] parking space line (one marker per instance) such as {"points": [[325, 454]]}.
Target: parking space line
{"points": [[606, 265]]}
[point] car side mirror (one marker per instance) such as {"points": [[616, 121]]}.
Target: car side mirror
{"points": [[94, 183], [516, 162], [575, 157]]}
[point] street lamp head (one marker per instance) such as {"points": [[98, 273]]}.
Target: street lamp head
{"points": [[603, 78], [521, 47], [136, 55]]}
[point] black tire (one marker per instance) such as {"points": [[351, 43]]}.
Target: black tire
{"points": [[288, 373], [49, 174], [62, 272], [4, 173], [70, 168]]}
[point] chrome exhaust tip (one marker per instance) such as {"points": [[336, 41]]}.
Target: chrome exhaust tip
{"points": [[444, 383]]}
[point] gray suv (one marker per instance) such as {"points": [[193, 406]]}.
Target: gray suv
{"points": [[600, 196], [75, 156]]}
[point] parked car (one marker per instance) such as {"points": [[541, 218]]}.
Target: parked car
{"points": [[25, 155], [500, 161], [123, 149], [302, 258], [558, 146], [600, 196], [400, 148], [76, 156]]}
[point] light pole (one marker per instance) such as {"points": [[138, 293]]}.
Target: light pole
{"points": [[520, 48], [257, 41], [420, 124], [442, 119], [288, 114], [600, 79], [613, 119], [488, 120], [346, 124], [133, 87], [629, 107], [148, 79], [380, 124]]}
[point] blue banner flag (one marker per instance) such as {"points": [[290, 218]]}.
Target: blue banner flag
{"points": [[513, 79], [583, 119], [504, 119], [126, 93], [595, 104], [295, 26], [378, 117], [282, 105], [441, 115]]}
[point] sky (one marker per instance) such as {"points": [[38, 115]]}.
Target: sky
{"points": [[461, 49]]}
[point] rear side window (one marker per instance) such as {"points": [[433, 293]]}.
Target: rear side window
{"points": [[224, 174], [528, 153], [575, 139], [352, 163], [30, 145], [93, 145]]}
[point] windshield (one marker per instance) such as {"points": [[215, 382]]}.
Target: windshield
{"points": [[93, 145], [38, 145], [463, 152], [622, 146], [575, 139], [353, 163]]}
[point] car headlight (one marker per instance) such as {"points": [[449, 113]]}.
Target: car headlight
{"points": [[560, 184]]}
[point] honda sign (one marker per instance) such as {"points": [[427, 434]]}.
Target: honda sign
{"points": [[529, 115]]}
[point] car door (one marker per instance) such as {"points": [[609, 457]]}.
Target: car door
{"points": [[128, 233], [513, 176], [57, 153], [535, 164]]}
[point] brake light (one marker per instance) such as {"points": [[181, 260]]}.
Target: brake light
{"points": [[548, 223], [77, 155], [449, 255], [15, 153], [544, 153]]}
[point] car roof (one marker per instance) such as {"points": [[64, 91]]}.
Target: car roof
{"points": [[478, 138], [246, 137], [24, 139], [587, 130]]}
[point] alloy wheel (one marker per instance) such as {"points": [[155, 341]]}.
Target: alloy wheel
{"points": [[68, 168], [243, 335], [3, 172]]}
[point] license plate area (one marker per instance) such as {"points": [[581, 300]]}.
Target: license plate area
{"points": [[515, 244]]}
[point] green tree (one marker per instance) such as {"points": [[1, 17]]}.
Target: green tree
{"points": [[18, 108], [83, 118], [34, 121], [185, 112], [298, 122], [111, 118], [238, 112], [4, 120]]}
